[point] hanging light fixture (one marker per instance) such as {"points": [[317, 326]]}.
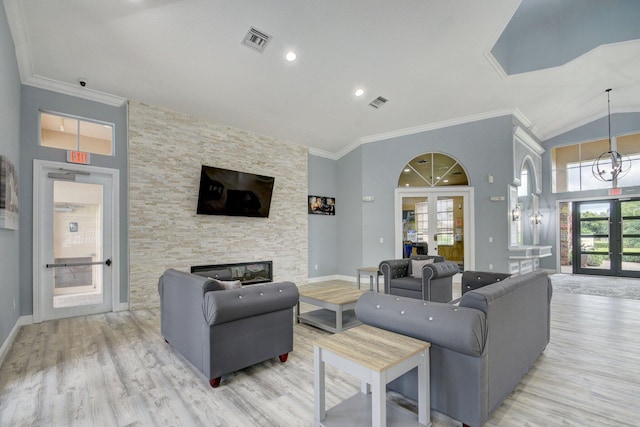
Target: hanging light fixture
{"points": [[610, 165]]}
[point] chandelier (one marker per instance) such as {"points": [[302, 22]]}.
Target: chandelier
{"points": [[610, 165]]}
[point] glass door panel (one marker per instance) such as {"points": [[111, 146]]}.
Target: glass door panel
{"points": [[593, 240], [415, 225], [77, 243], [450, 228], [630, 225]]}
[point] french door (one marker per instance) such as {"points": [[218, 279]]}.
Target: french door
{"points": [[606, 237], [75, 240], [435, 221]]}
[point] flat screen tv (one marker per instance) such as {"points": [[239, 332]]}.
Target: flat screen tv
{"points": [[233, 193]]}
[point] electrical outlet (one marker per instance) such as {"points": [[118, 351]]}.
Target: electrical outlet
{"points": [[490, 239], [381, 240], [315, 266], [490, 266]]}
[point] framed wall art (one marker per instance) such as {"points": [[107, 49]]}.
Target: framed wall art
{"points": [[322, 205], [8, 194]]}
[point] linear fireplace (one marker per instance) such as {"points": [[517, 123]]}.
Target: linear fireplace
{"points": [[249, 273]]}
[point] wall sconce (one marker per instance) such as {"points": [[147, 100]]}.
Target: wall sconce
{"points": [[536, 218], [516, 213]]}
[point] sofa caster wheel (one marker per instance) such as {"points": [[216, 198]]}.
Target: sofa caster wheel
{"points": [[215, 382], [283, 357], [167, 341]]}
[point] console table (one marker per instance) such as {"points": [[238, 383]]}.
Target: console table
{"points": [[376, 357]]}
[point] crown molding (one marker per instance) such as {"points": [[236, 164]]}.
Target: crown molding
{"points": [[20, 35], [434, 126], [587, 120], [521, 134], [335, 156], [322, 153], [76, 91]]}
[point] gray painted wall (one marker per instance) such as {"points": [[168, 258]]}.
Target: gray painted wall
{"points": [[35, 100], [483, 147], [9, 147], [323, 229], [621, 124], [349, 213]]}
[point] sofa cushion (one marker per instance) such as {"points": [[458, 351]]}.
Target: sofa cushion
{"points": [[408, 283], [228, 284], [417, 265]]}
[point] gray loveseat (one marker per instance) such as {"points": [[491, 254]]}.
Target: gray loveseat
{"points": [[221, 331], [434, 281], [480, 350]]}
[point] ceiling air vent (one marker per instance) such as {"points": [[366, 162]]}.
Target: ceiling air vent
{"points": [[378, 102], [256, 39]]}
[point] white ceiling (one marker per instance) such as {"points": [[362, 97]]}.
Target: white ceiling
{"points": [[428, 58]]}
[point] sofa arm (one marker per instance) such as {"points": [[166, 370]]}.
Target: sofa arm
{"points": [[460, 329], [233, 304], [392, 269], [186, 282], [395, 268], [439, 270]]}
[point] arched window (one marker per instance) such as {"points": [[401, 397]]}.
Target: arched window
{"points": [[432, 170]]}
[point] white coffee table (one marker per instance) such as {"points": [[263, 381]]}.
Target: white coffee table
{"points": [[376, 357]]}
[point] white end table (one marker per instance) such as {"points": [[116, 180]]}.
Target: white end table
{"points": [[376, 357], [371, 272]]}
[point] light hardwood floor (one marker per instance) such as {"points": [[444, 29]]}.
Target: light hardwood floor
{"points": [[116, 370]]}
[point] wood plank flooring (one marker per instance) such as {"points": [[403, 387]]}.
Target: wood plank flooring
{"points": [[116, 370]]}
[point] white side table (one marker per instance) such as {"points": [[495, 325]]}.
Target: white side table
{"points": [[376, 357], [371, 272]]}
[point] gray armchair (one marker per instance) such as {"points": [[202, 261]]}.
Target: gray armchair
{"points": [[221, 331], [432, 283]]}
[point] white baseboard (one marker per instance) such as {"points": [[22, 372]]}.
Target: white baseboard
{"points": [[333, 277], [22, 320], [123, 306]]}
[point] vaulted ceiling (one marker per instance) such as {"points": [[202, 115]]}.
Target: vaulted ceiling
{"points": [[436, 62]]}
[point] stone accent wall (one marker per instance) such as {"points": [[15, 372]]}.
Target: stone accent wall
{"points": [[166, 151]]}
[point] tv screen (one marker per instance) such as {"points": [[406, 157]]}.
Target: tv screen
{"points": [[229, 192]]}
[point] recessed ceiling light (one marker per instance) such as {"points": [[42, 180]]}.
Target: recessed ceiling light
{"points": [[291, 56], [359, 92]]}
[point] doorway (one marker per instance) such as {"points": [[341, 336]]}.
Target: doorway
{"points": [[435, 221], [605, 237], [75, 240]]}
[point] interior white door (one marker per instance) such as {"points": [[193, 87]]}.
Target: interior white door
{"points": [[429, 197], [75, 240]]}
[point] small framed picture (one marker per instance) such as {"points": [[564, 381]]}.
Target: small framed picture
{"points": [[73, 227], [322, 205]]}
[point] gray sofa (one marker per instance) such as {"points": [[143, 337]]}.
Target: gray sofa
{"points": [[434, 285], [221, 331], [477, 279], [480, 350]]}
